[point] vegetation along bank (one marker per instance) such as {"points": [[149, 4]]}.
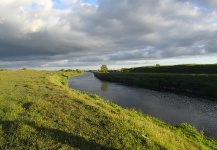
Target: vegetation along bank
{"points": [[198, 80], [39, 111]]}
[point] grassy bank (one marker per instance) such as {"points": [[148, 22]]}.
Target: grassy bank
{"points": [[184, 69], [196, 79], [202, 85], [39, 111]]}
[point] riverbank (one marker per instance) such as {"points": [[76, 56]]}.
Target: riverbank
{"points": [[200, 85], [181, 69], [39, 111]]}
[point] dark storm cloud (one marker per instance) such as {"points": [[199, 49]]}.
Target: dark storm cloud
{"points": [[112, 31]]}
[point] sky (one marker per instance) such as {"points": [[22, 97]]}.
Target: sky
{"points": [[84, 34]]}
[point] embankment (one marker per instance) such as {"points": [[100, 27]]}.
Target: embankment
{"points": [[201, 85], [39, 111], [182, 69]]}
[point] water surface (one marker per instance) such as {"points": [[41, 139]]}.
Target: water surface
{"points": [[169, 107]]}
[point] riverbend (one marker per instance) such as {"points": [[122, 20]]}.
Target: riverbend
{"points": [[169, 107]]}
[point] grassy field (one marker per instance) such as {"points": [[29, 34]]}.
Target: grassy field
{"points": [[39, 111]]}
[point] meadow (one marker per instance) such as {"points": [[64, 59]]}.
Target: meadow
{"points": [[39, 111], [195, 80]]}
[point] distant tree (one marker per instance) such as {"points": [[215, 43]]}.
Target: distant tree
{"points": [[78, 71], [104, 69], [24, 69], [69, 70], [125, 69], [122, 69], [157, 65]]}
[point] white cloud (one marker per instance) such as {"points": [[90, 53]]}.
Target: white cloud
{"points": [[111, 31]]}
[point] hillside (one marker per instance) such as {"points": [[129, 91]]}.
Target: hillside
{"points": [[39, 111]]}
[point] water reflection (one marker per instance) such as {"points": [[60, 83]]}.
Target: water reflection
{"points": [[168, 107], [104, 86]]}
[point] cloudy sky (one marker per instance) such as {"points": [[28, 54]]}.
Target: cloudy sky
{"points": [[84, 34]]}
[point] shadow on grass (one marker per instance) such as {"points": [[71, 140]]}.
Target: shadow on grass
{"points": [[9, 127]]}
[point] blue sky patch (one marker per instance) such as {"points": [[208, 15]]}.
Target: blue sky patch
{"points": [[201, 7], [59, 5], [34, 5], [93, 2]]}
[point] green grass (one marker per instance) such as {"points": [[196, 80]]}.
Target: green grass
{"points": [[186, 69], [39, 111], [202, 85]]}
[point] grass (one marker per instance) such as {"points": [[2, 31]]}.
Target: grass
{"points": [[39, 111], [201, 85], [186, 69]]}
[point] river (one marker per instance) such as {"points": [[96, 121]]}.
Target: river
{"points": [[169, 107]]}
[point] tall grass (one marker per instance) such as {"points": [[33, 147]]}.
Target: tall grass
{"points": [[39, 111]]}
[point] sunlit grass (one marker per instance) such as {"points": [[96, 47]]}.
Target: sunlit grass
{"points": [[39, 111]]}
